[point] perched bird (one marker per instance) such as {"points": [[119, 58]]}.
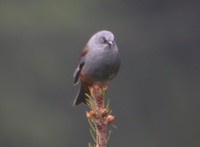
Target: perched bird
{"points": [[99, 63]]}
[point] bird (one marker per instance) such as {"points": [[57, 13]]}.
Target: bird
{"points": [[99, 62]]}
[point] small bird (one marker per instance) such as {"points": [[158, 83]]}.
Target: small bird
{"points": [[99, 63]]}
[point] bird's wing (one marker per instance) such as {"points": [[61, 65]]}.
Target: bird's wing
{"points": [[80, 65]]}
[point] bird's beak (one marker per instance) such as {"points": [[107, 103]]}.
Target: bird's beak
{"points": [[110, 42]]}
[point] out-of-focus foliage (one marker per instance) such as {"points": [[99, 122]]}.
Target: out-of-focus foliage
{"points": [[155, 96]]}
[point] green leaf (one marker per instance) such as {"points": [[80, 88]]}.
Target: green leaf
{"points": [[89, 144], [93, 135], [107, 105], [91, 125], [109, 134]]}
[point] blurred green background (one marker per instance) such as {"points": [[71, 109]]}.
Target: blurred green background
{"points": [[155, 97]]}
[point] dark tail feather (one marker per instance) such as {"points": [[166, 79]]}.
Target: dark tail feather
{"points": [[81, 97]]}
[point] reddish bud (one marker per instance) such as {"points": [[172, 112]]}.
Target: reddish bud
{"points": [[90, 114], [110, 118]]}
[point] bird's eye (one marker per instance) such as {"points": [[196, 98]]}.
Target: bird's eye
{"points": [[103, 40]]}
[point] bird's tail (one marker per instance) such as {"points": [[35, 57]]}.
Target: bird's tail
{"points": [[81, 96]]}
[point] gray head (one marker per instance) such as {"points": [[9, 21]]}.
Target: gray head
{"points": [[102, 39]]}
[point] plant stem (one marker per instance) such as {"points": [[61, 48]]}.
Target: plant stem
{"points": [[99, 115]]}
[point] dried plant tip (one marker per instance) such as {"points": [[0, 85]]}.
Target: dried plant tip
{"points": [[110, 118]]}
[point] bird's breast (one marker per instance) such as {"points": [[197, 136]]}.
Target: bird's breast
{"points": [[101, 66]]}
